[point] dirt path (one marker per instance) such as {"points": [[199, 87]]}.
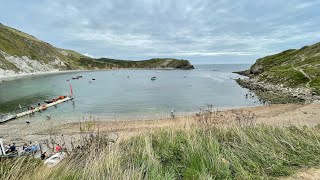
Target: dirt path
{"points": [[307, 174], [301, 70]]}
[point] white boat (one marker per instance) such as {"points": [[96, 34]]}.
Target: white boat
{"points": [[153, 78], [55, 159]]}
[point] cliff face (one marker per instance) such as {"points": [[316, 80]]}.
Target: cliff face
{"points": [[21, 53], [294, 72]]}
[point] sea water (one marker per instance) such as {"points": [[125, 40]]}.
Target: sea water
{"points": [[128, 94]]}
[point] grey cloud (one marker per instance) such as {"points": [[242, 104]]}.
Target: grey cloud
{"points": [[194, 29]]}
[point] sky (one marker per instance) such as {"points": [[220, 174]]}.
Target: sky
{"points": [[202, 31]]}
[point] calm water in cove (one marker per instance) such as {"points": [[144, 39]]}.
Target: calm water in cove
{"points": [[129, 94]]}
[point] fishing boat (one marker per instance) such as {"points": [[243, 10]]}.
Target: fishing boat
{"points": [[153, 78]]}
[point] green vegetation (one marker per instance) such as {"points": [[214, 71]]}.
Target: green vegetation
{"points": [[16, 43], [156, 63], [292, 68], [246, 152], [151, 63], [17, 168]]}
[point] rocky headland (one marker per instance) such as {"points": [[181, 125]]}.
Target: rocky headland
{"points": [[288, 77]]}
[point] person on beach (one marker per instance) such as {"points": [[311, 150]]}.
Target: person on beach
{"points": [[13, 147], [33, 148], [58, 148], [43, 156], [25, 146], [172, 114]]}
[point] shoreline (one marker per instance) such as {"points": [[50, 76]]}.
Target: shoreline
{"points": [[275, 115], [19, 76], [26, 75], [277, 94]]}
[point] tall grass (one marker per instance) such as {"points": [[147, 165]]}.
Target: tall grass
{"points": [[250, 152]]}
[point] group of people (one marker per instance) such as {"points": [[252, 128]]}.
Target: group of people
{"points": [[12, 148], [31, 148]]}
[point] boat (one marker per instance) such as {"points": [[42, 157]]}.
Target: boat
{"points": [[93, 79], [55, 159], [48, 101], [75, 78], [79, 76], [43, 107], [153, 78]]}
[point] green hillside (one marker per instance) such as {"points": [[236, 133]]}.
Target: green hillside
{"points": [[160, 63], [292, 68], [15, 43], [23, 53]]}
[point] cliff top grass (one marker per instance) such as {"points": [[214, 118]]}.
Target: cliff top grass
{"points": [[17, 43], [292, 68]]}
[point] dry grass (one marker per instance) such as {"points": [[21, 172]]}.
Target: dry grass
{"points": [[204, 149]]}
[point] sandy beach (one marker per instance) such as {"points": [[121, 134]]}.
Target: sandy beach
{"points": [[277, 115], [10, 77]]}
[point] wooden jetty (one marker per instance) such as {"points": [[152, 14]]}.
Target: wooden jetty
{"points": [[40, 108]]}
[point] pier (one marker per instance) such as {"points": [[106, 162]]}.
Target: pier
{"points": [[40, 108]]}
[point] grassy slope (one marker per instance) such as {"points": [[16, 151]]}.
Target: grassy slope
{"points": [[151, 63], [257, 152], [293, 68], [17, 43]]}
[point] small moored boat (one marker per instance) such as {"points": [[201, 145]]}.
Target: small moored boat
{"points": [[48, 101], [153, 78]]}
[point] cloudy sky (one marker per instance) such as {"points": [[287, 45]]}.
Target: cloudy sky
{"points": [[203, 31]]}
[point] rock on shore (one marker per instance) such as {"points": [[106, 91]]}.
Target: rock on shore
{"points": [[277, 94]]}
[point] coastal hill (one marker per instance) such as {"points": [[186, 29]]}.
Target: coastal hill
{"points": [[21, 53], [294, 71], [155, 63]]}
